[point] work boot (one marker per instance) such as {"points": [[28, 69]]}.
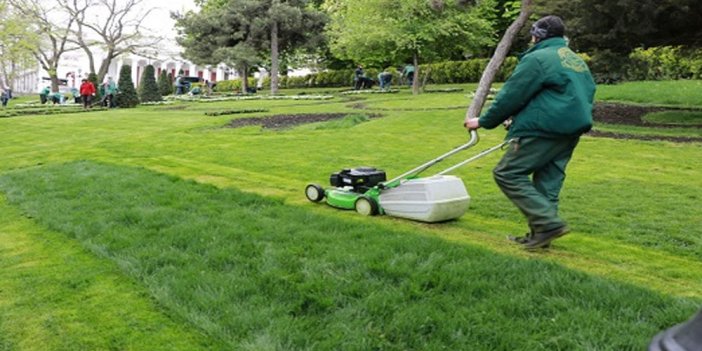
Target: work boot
{"points": [[543, 240], [523, 239]]}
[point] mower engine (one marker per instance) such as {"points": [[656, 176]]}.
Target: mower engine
{"points": [[360, 179]]}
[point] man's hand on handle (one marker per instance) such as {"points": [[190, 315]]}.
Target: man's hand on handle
{"points": [[471, 123]]}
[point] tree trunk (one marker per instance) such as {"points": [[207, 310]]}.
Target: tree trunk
{"points": [[105, 65], [54, 81], [496, 61], [274, 58], [244, 72], [91, 59], [415, 80]]}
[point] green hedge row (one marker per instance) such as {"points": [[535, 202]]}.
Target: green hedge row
{"points": [[664, 63], [46, 111], [233, 85], [449, 72]]}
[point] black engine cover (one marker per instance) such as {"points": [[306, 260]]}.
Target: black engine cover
{"points": [[361, 178]]}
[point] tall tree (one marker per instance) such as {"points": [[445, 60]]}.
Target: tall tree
{"points": [[418, 30], [54, 26], [17, 45], [148, 89], [127, 95], [165, 85], [291, 24], [242, 32], [497, 59], [620, 26], [115, 27]]}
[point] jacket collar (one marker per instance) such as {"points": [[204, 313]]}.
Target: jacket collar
{"points": [[546, 43]]}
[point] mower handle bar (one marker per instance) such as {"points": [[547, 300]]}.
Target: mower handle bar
{"points": [[473, 140], [480, 155]]}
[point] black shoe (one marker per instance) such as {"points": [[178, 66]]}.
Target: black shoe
{"points": [[520, 239], [523, 239], [543, 240]]}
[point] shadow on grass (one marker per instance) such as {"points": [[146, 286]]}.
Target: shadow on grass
{"points": [[257, 274]]}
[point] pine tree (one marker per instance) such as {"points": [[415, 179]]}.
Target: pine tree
{"points": [[148, 89], [165, 85], [127, 95]]}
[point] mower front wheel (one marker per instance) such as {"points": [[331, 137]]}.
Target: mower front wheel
{"points": [[314, 192], [366, 206]]}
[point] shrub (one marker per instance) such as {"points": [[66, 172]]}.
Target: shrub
{"points": [[448, 72], [665, 62], [165, 84], [148, 89], [127, 95], [232, 85]]}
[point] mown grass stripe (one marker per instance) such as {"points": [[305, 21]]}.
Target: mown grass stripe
{"points": [[54, 295], [257, 274]]}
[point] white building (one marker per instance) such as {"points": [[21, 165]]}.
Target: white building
{"points": [[74, 67]]}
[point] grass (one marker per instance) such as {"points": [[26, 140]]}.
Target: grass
{"points": [[306, 276], [257, 274], [676, 93], [675, 117]]}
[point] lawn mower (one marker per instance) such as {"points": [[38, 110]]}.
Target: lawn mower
{"points": [[430, 199]]}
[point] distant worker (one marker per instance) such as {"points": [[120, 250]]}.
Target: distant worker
{"points": [[4, 96], [408, 73], [358, 78], [549, 100], [87, 91], [44, 95], [56, 97], [110, 89], [385, 79]]}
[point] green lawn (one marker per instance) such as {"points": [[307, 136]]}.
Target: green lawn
{"points": [[155, 228]]}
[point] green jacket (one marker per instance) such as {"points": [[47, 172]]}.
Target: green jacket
{"points": [[549, 94], [110, 87]]}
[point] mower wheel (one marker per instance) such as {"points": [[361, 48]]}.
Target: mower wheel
{"points": [[366, 206], [314, 192]]}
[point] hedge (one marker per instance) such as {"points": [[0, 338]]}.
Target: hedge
{"points": [[449, 72], [664, 63]]}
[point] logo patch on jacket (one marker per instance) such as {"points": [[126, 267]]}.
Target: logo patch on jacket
{"points": [[570, 60]]}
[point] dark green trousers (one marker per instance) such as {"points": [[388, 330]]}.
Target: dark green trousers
{"points": [[531, 175]]}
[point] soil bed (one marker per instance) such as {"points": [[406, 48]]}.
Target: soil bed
{"points": [[632, 115], [285, 121]]}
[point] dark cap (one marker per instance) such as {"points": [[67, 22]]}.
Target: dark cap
{"points": [[547, 27]]}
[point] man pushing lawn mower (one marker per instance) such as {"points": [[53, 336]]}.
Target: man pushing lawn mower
{"points": [[548, 101]]}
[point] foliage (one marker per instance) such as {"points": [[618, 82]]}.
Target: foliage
{"points": [[165, 83], [127, 95], [18, 42], [664, 63], [148, 89], [403, 30], [620, 26], [240, 32], [447, 72], [232, 85]]}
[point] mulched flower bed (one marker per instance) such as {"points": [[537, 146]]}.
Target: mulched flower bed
{"points": [[285, 121]]}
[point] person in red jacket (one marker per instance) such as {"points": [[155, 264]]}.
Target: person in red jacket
{"points": [[87, 91]]}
